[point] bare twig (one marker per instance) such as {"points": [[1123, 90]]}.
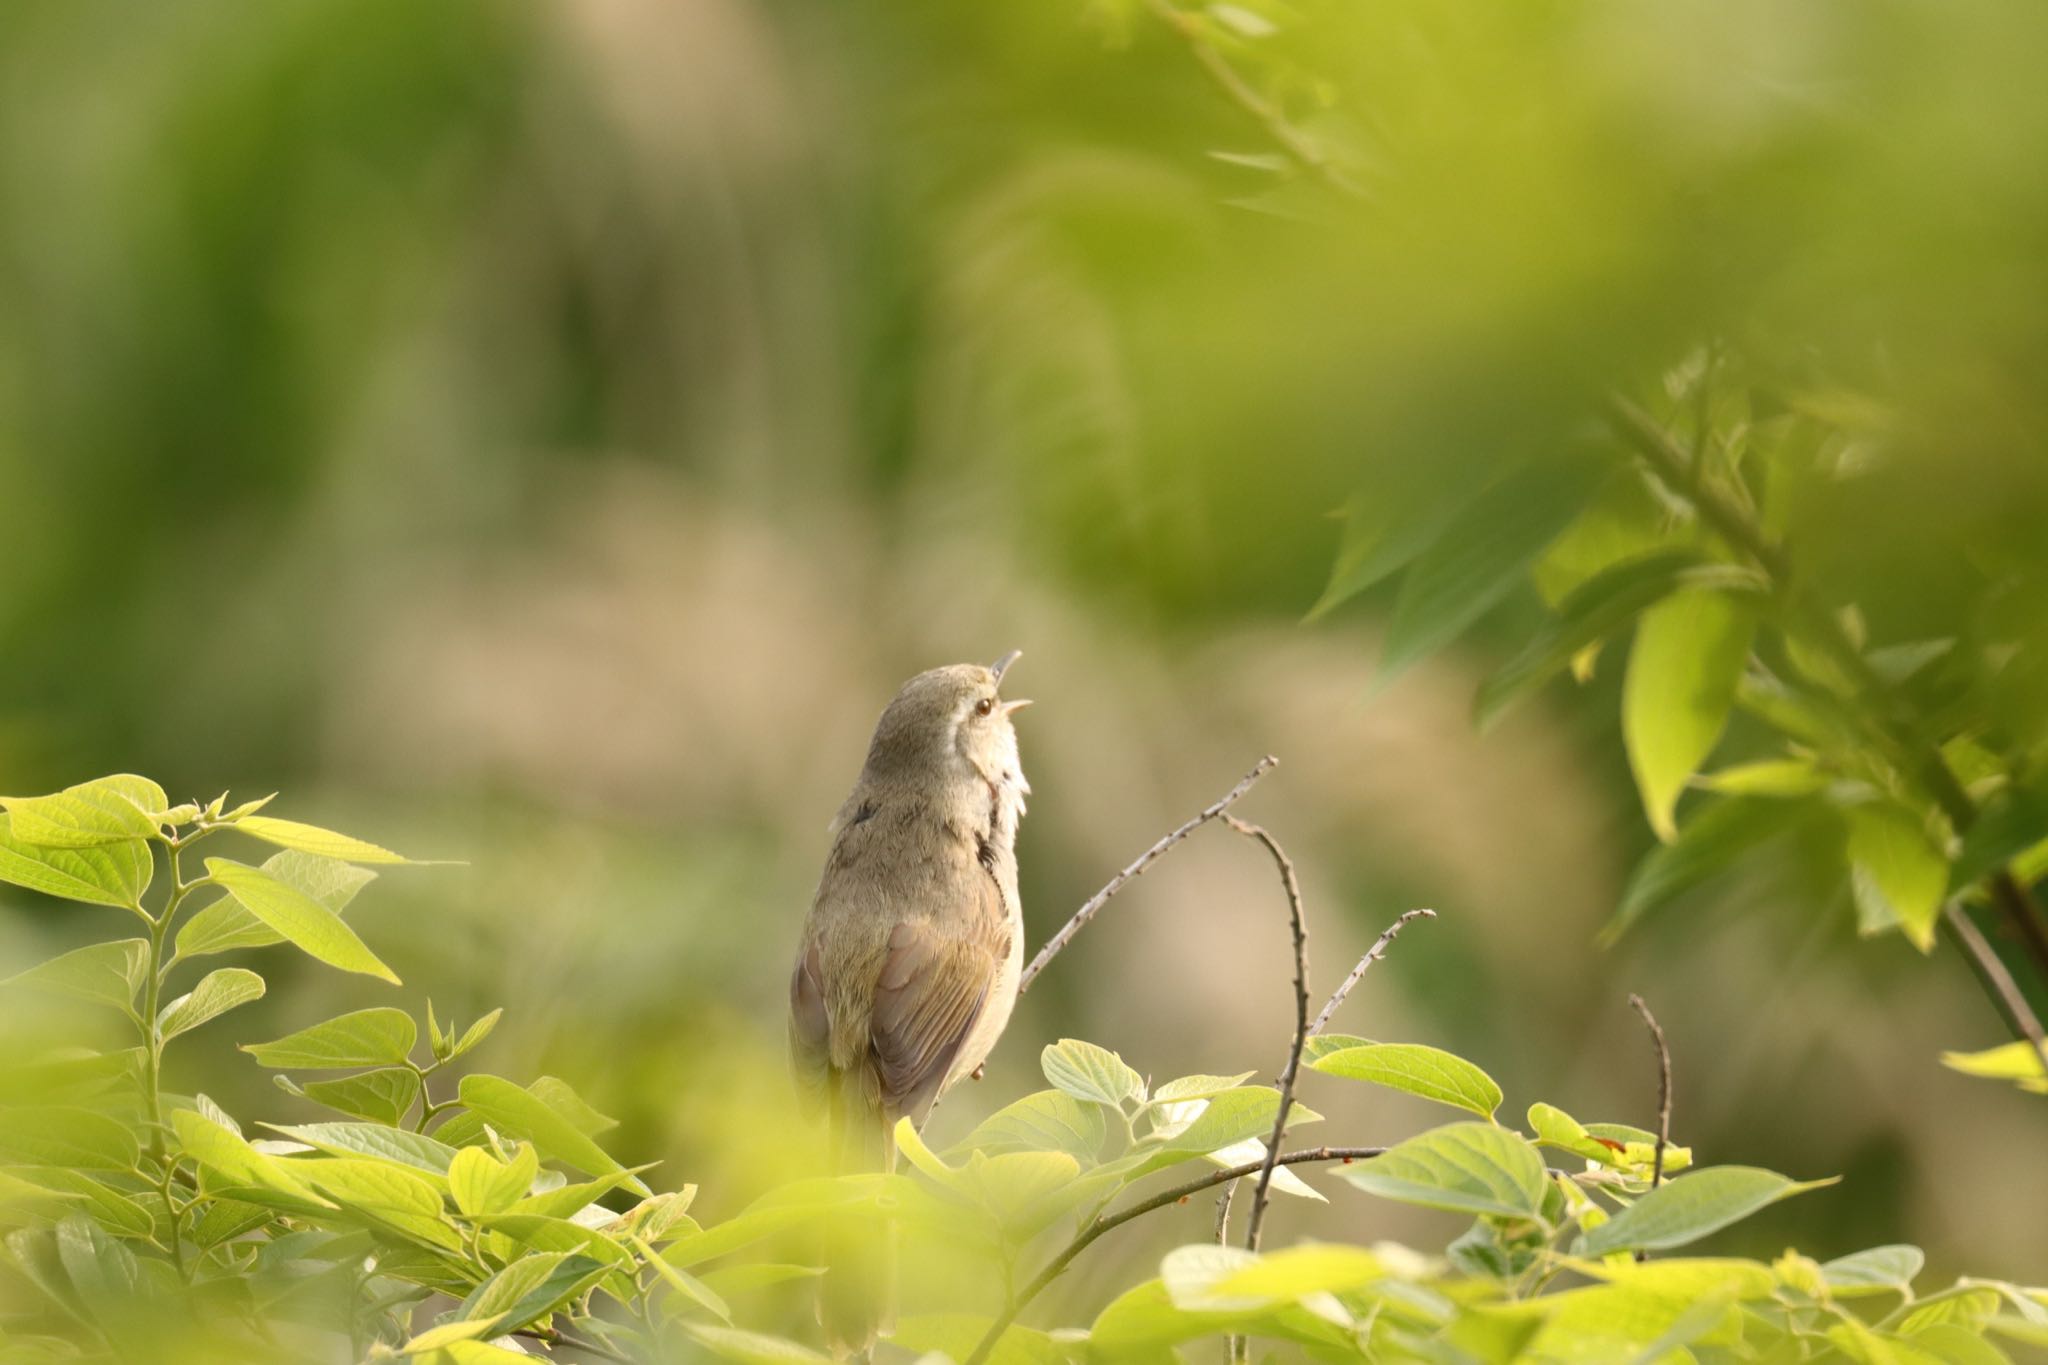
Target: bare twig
{"points": [[1992, 971], [1110, 1221], [1223, 1203], [1298, 922], [1136, 869], [1372, 955], [1663, 1088], [568, 1343]]}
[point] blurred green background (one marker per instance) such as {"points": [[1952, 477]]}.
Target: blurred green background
{"points": [[543, 436]]}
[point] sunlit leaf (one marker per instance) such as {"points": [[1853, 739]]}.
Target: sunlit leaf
{"points": [[382, 1096], [373, 1140], [531, 1287], [113, 874], [480, 1183], [103, 973], [1465, 1167], [1088, 1072], [312, 839], [752, 1348], [1770, 777], [2018, 1061], [1899, 877], [1711, 840], [1880, 1270], [512, 1110], [1687, 657], [1429, 1072], [374, 1037], [308, 924], [216, 994], [388, 1196], [223, 924], [108, 810], [1686, 1209], [57, 1135], [1049, 1120]]}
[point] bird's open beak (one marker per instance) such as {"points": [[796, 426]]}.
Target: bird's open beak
{"points": [[1002, 665]]}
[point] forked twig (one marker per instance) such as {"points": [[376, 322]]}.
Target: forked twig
{"points": [[1372, 955], [1136, 869], [1299, 924]]}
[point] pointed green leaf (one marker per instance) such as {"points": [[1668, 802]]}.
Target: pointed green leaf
{"points": [[114, 874], [222, 1150], [216, 994], [1384, 532], [57, 1135], [374, 1037], [1880, 1270], [374, 1141], [1048, 1121], [1485, 551], [532, 1287], [685, 1288], [752, 1348], [1684, 1210], [308, 924], [1771, 777], [1687, 657], [1899, 877], [481, 1183], [224, 925], [312, 839], [1092, 1073], [103, 973], [514, 1111], [388, 1196], [474, 1034], [109, 810], [1429, 1072], [1467, 1167], [381, 1096], [2018, 1062], [1598, 608]]}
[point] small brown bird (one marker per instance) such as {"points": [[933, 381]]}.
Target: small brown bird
{"points": [[908, 968]]}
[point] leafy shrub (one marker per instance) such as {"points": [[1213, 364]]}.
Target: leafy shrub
{"points": [[491, 1222]]}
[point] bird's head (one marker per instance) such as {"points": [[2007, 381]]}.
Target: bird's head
{"points": [[948, 717]]}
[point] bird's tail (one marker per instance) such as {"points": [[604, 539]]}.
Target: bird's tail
{"points": [[857, 1298]]}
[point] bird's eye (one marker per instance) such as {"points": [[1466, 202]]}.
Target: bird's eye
{"points": [[984, 706]]}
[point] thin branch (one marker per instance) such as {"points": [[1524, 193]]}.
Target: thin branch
{"points": [[1144, 860], [565, 1342], [1663, 1088], [1262, 110], [1223, 1203], [1996, 978], [1372, 955], [1108, 1222], [1298, 922]]}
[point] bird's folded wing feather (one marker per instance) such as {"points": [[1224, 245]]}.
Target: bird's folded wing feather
{"points": [[933, 986]]}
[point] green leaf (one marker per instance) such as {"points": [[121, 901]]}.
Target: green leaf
{"points": [[2018, 1062], [531, 1288], [1880, 1270], [481, 1183], [1383, 533], [387, 1196], [373, 1140], [102, 973], [56, 1135], [752, 1348], [2012, 823], [1189, 1128], [1321, 1045], [1091, 1073], [308, 924], [1899, 877], [1771, 777], [1593, 611], [1715, 837], [324, 843], [1686, 1209], [1466, 1167], [109, 810], [374, 1037], [1688, 655], [1429, 1072], [514, 1111], [558, 1095], [1048, 1121], [1485, 551], [114, 1209], [110, 874], [216, 994], [220, 1148], [223, 924], [381, 1096], [1314, 1268], [474, 1034], [691, 1291], [1199, 1087]]}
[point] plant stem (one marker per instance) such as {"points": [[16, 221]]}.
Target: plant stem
{"points": [[1136, 869], [1372, 955], [153, 1042], [1110, 1221]]}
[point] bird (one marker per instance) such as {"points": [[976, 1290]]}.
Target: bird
{"points": [[909, 961]]}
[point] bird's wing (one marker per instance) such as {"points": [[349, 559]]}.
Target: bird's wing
{"points": [[934, 982], [810, 1029]]}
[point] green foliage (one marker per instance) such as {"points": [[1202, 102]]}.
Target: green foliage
{"points": [[446, 1223]]}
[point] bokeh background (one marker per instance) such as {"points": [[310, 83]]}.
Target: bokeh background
{"points": [[543, 436]]}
